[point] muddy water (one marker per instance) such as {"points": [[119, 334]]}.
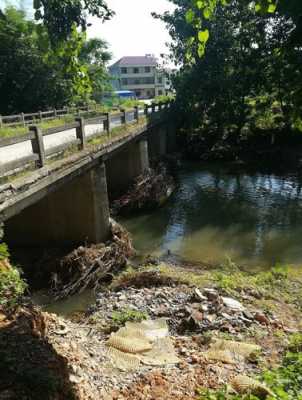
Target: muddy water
{"points": [[215, 214], [255, 219]]}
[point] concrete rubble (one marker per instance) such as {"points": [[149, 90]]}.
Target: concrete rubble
{"points": [[193, 320]]}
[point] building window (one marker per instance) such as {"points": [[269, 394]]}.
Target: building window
{"points": [[160, 79], [124, 81], [124, 70], [136, 70], [147, 70]]}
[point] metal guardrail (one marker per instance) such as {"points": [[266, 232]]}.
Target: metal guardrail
{"points": [[36, 136]]}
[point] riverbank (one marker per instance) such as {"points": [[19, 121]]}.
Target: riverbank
{"points": [[200, 307]]}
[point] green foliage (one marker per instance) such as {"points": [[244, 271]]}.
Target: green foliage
{"points": [[295, 343], [3, 251], [61, 17], [12, 288], [248, 79], [36, 75], [163, 99], [125, 315]]}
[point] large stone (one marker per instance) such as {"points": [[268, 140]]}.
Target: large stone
{"points": [[232, 304]]}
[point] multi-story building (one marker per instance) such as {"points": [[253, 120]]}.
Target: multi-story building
{"points": [[140, 75]]}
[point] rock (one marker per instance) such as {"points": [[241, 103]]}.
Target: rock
{"points": [[199, 295], [211, 294], [259, 317], [233, 304], [248, 314], [204, 307], [197, 316]]}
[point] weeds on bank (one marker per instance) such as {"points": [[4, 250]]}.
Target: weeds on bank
{"points": [[128, 315], [285, 382]]}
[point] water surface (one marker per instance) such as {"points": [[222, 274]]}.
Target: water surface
{"points": [[252, 218]]}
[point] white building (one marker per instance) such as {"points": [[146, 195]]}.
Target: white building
{"points": [[141, 75]]}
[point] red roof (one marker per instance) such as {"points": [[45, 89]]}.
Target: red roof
{"points": [[137, 61]]}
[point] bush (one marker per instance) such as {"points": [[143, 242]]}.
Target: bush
{"points": [[12, 288]]}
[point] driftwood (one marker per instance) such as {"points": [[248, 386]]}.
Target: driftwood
{"points": [[149, 191], [86, 267]]}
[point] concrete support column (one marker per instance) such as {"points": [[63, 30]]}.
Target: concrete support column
{"points": [[171, 138], [76, 213], [143, 155], [162, 141], [125, 166]]}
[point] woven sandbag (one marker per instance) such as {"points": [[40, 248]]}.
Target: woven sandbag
{"points": [[123, 361], [129, 345], [224, 356], [132, 333], [245, 385], [243, 349], [153, 329], [162, 353]]}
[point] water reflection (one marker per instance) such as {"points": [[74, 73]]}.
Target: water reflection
{"points": [[255, 219]]}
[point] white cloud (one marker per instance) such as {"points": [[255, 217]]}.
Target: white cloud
{"points": [[133, 31]]}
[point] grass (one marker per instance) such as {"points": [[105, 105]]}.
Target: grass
{"points": [[19, 130], [229, 279]]}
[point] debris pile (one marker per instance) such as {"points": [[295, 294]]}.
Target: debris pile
{"points": [[187, 309], [150, 190], [87, 267]]}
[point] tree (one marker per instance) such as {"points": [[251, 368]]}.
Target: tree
{"points": [[60, 17], [36, 76], [199, 11], [247, 78], [95, 55]]}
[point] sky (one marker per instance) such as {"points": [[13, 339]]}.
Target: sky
{"points": [[133, 31]]}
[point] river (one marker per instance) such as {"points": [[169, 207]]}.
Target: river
{"points": [[254, 219], [215, 215]]}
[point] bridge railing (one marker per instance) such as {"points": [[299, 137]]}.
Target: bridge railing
{"points": [[24, 119], [37, 145]]}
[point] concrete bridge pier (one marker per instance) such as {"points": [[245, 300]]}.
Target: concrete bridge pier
{"points": [[73, 214], [158, 141], [125, 166], [171, 138]]}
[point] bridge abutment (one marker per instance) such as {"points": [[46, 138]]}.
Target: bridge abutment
{"points": [[73, 214]]}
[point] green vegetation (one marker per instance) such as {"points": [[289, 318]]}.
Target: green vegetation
{"points": [[127, 314], [19, 130], [36, 75], [12, 288], [285, 382], [163, 99], [241, 85]]}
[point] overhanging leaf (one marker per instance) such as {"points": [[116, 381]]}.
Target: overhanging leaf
{"points": [[203, 36]]}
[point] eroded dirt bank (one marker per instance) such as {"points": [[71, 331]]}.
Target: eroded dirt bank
{"points": [[44, 355]]}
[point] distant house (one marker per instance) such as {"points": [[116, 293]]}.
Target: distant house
{"points": [[141, 75]]}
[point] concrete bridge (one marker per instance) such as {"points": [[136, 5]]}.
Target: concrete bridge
{"points": [[66, 201]]}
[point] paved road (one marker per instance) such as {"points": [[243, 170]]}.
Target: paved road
{"points": [[24, 149]]}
